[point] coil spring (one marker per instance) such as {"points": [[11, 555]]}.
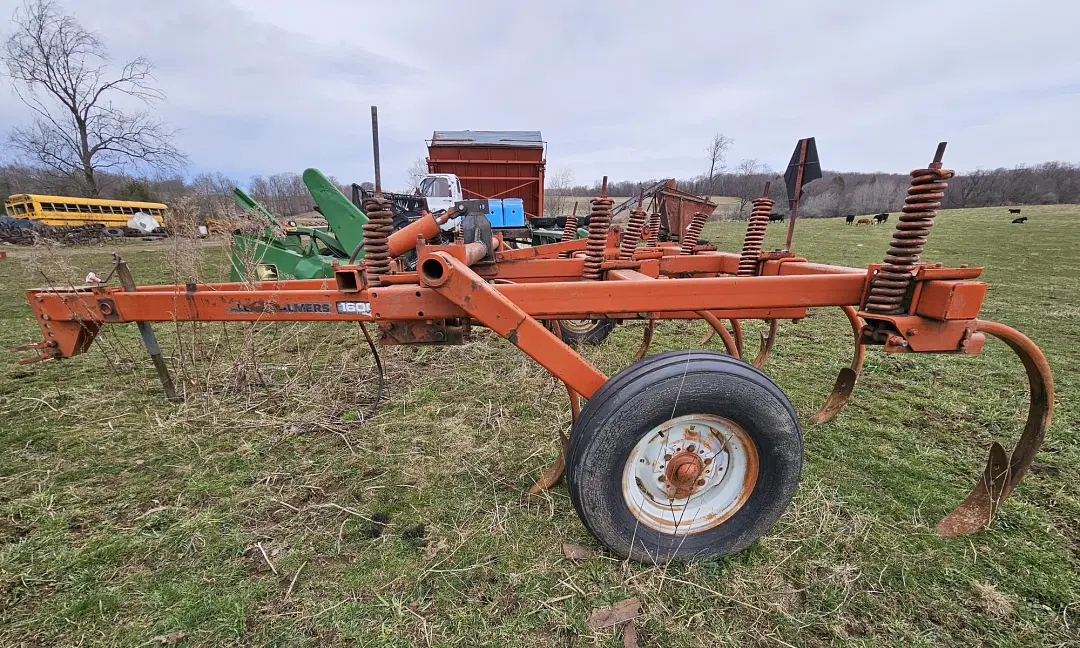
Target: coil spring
{"points": [[652, 232], [599, 223], [693, 233], [632, 235], [890, 284], [376, 238], [569, 230], [755, 235], [459, 234]]}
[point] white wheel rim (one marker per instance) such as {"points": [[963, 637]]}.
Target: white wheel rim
{"points": [[690, 474], [579, 326]]}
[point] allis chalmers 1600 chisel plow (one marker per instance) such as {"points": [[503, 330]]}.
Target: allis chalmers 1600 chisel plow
{"points": [[682, 454]]}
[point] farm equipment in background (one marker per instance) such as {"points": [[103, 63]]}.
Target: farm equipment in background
{"points": [[683, 454], [671, 211], [296, 252], [505, 168]]}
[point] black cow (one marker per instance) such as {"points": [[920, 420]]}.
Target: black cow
{"points": [[1014, 211], [773, 218], [880, 218], [850, 218], [1021, 219]]}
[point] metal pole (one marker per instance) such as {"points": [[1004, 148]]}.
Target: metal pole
{"points": [[149, 340], [798, 191], [375, 145]]}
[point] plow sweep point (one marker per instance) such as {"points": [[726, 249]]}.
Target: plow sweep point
{"points": [[767, 343], [1004, 471]]}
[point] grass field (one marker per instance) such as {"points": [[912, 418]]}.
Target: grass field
{"points": [[268, 510]]}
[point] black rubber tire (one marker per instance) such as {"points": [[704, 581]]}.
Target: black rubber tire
{"points": [[113, 232], [647, 394], [594, 336]]}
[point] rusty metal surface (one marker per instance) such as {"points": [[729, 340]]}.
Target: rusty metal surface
{"points": [[890, 285], [632, 235], [755, 236], [599, 224], [675, 470], [422, 332], [646, 340], [1003, 471], [692, 234], [652, 230], [845, 381], [718, 326], [569, 232], [554, 473], [767, 343], [736, 332], [376, 237]]}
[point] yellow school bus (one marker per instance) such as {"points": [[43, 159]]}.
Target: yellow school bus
{"points": [[67, 210]]}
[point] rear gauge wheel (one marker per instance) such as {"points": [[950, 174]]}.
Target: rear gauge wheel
{"points": [[586, 331], [683, 455]]}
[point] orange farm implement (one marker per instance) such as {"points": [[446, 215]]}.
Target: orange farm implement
{"points": [[682, 454]]}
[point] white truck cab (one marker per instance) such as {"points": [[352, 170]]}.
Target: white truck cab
{"points": [[442, 191]]}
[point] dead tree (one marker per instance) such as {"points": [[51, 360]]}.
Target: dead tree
{"points": [[60, 71], [717, 152]]}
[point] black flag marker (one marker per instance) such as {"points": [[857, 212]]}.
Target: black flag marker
{"points": [[811, 169], [804, 167]]}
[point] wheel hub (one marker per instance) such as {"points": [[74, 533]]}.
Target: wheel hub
{"points": [[683, 471], [690, 473]]}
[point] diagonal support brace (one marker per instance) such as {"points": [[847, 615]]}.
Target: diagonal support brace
{"points": [[459, 284]]}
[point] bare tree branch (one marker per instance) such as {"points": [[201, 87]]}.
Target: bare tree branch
{"points": [[717, 152], [417, 171], [61, 73]]}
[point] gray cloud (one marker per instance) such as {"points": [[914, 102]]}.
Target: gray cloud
{"points": [[627, 89]]}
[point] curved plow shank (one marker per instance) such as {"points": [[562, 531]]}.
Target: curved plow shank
{"points": [[718, 327], [1004, 472], [736, 328], [646, 340], [553, 474], [767, 343], [845, 382]]}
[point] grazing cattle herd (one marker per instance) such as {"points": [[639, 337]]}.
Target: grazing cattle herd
{"points": [[773, 218], [878, 219]]}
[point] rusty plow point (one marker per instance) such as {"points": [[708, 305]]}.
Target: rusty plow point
{"points": [[553, 474], [708, 336], [646, 340], [1004, 471], [982, 503], [767, 343], [845, 382]]}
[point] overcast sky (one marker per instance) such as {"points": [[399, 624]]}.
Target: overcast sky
{"points": [[633, 90]]}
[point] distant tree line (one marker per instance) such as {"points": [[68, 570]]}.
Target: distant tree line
{"points": [[284, 194], [839, 194]]}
